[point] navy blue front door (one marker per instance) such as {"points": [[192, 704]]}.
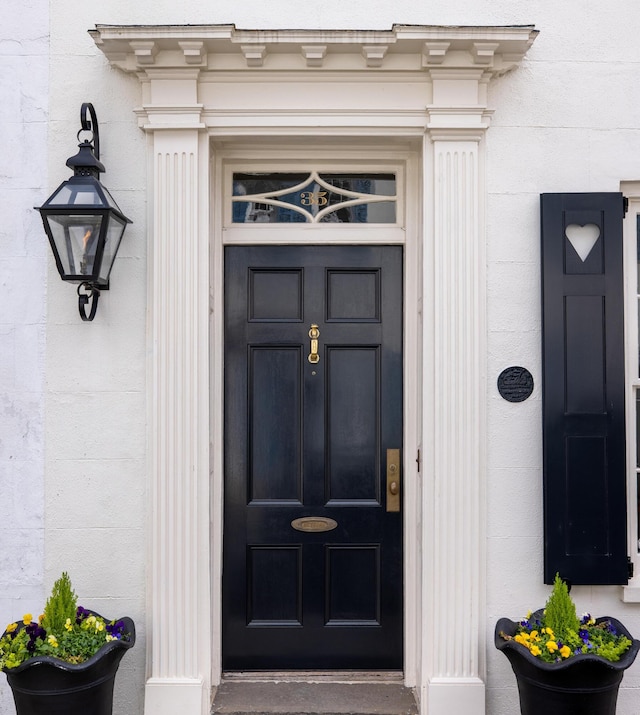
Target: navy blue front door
{"points": [[313, 401]]}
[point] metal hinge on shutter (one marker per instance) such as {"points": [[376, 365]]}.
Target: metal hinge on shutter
{"points": [[625, 206], [629, 567]]}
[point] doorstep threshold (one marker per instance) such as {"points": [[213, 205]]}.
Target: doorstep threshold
{"points": [[309, 694], [314, 676]]}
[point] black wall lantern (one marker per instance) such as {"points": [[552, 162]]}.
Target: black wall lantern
{"points": [[83, 222]]}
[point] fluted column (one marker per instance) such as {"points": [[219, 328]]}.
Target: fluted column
{"points": [[454, 577], [178, 418]]}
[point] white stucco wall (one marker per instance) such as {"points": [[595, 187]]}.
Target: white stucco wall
{"points": [[567, 120], [96, 384], [24, 112]]}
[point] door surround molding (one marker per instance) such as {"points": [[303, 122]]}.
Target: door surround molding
{"points": [[205, 87]]}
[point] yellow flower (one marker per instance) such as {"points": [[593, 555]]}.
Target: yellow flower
{"points": [[27, 618], [535, 650], [565, 651], [41, 618], [99, 626], [548, 631], [68, 625], [534, 635], [53, 641], [521, 639], [552, 646], [11, 627]]}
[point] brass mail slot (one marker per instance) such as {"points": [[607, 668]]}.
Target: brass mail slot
{"points": [[314, 523]]}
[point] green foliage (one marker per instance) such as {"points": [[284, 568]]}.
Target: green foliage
{"points": [[607, 643], [560, 611], [61, 605], [65, 631], [555, 634]]}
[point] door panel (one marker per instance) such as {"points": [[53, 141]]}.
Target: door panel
{"points": [[307, 439], [275, 389]]}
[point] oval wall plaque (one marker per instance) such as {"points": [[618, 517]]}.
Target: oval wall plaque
{"points": [[314, 523], [515, 384]]}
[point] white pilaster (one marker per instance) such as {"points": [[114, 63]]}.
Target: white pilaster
{"points": [[454, 275], [178, 417]]}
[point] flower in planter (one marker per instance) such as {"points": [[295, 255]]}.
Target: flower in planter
{"points": [[65, 631], [556, 634]]}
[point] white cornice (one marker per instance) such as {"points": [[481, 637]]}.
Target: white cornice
{"points": [[224, 47]]}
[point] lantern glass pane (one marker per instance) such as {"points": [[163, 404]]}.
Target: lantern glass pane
{"points": [[115, 229], [76, 195], [76, 241]]}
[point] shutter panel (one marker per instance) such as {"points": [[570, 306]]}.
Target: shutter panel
{"points": [[584, 472]]}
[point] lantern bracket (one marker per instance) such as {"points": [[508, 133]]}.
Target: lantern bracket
{"points": [[90, 125], [83, 300]]}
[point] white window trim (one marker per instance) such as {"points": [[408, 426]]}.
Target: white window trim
{"points": [[305, 233]]}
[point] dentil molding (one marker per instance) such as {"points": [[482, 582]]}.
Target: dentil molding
{"points": [[406, 79], [133, 48]]}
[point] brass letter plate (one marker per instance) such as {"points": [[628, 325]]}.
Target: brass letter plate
{"points": [[393, 480], [314, 523]]}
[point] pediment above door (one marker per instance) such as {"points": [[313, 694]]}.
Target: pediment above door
{"points": [[224, 47], [403, 80]]}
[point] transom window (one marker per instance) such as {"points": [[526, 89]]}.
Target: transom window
{"points": [[314, 197]]}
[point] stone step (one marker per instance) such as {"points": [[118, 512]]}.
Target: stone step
{"points": [[288, 697]]}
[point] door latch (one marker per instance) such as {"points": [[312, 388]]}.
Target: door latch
{"points": [[393, 480]]}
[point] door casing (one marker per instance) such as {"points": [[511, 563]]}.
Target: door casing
{"points": [[406, 158]]}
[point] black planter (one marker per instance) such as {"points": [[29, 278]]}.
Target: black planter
{"points": [[581, 685], [48, 686]]}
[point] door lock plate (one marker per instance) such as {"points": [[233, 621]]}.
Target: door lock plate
{"points": [[393, 480]]}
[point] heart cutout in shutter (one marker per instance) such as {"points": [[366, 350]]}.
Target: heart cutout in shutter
{"points": [[582, 238]]}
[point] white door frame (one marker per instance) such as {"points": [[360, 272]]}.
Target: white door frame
{"points": [[404, 161], [416, 85]]}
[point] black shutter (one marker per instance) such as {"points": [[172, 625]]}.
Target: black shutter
{"points": [[585, 535]]}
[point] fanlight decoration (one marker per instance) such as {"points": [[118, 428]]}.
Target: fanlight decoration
{"points": [[314, 197]]}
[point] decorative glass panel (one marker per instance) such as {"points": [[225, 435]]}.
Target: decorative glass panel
{"points": [[282, 197], [76, 241]]}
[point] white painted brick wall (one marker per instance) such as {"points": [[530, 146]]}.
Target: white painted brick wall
{"points": [[567, 120], [24, 91]]}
